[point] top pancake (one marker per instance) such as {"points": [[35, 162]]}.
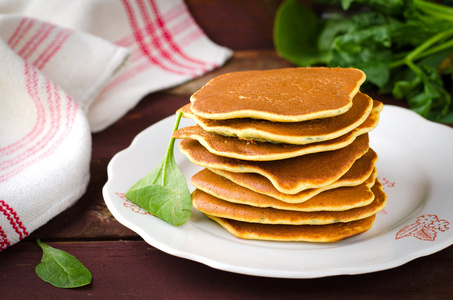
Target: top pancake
{"points": [[282, 95]]}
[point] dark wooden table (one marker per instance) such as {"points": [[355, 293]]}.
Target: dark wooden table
{"points": [[126, 267]]}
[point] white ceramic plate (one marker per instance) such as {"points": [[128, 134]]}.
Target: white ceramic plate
{"points": [[415, 166]]}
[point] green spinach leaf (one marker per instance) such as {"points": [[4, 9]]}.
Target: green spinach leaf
{"points": [[297, 27], [405, 47], [61, 269], [163, 192]]}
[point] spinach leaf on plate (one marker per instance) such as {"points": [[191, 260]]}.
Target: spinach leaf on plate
{"points": [[163, 192]]}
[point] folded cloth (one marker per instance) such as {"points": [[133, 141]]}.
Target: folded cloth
{"points": [[68, 69]]}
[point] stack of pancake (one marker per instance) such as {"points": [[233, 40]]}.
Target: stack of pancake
{"points": [[285, 153]]}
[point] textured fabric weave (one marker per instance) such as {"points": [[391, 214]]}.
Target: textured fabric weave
{"points": [[70, 68]]}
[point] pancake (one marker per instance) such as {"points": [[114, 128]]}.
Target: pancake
{"points": [[288, 132], [283, 95], [213, 206], [286, 153], [264, 151], [295, 233], [290, 175], [337, 199], [361, 170]]}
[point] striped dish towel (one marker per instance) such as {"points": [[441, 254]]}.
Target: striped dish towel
{"points": [[70, 68]]}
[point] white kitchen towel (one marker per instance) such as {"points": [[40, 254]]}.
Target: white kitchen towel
{"points": [[70, 68]]}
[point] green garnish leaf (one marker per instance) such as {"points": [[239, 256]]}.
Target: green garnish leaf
{"points": [[291, 35], [405, 47], [164, 192], [61, 269]]}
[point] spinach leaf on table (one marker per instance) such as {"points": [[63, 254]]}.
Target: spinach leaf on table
{"points": [[61, 269], [164, 192], [405, 47]]}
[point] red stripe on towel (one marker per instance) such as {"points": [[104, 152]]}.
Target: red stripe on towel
{"points": [[22, 29], [55, 117], [52, 48], [169, 16], [168, 37], [4, 242], [13, 219], [160, 41], [140, 39], [36, 40]]}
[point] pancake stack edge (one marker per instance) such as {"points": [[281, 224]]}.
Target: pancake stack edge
{"points": [[285, 153]]}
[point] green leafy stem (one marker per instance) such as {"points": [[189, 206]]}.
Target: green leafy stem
{"points": [[404, 46], [434, 9], [426, 49], [163, 192], [169, 154]]}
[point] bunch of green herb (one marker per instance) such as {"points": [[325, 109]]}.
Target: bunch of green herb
{"points": [[163, 192], [405, 47]]}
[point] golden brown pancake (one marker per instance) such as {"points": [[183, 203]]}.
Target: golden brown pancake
{"points": [[214, 206], [337, 199], [373, 119], [264, 151], [361, 171], [289, 132], [295, 233], [283, 95], [290, 175]]}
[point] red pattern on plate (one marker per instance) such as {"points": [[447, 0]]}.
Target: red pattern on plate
{"points": [[425, 228], [132, 206], [385, 182]]}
